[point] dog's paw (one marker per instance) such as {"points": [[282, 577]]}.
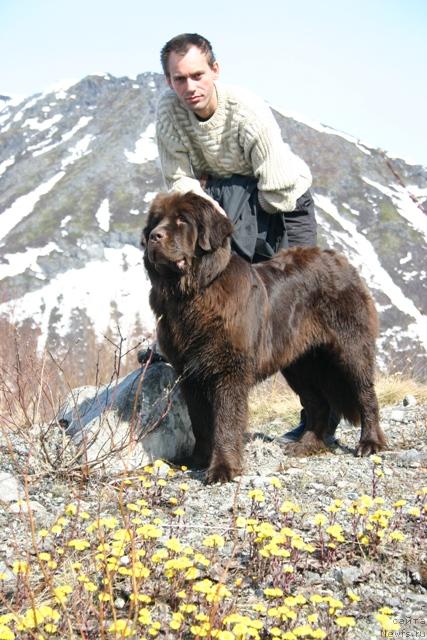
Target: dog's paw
{"points": [[221, 473], [369, 446], [308, 445]]}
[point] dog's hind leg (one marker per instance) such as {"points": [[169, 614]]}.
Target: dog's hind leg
{"points": [[372, 438], [317, 412]]}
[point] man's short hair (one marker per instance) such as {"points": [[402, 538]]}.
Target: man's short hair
{"points": [[181, 44]]}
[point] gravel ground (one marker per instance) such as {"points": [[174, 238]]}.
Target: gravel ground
{"points": [[397, 579]]}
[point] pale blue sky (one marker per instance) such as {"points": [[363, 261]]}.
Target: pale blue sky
{"points": [[359, 66]]}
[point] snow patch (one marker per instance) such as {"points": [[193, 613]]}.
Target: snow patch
{"points": [[404, 204], [145, 147], [23, 206], [83, 122], [406, 259], [19, 262], [366, 149], [103, 216], [6, 164], [85, 289], [78, 151], [35, 125], [353, 211]]}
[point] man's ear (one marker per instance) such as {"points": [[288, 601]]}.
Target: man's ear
{"points": [[168, 82], [215, 68]]}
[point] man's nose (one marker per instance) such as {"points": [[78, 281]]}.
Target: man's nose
{"points": [[191, 85]]}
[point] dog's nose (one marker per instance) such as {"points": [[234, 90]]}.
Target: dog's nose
{"points": [[157, 234]]}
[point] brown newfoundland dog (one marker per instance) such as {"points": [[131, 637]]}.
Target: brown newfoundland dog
{"points": [[225, 325]]}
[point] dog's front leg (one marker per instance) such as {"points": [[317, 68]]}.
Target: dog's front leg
{"points": [[200, 412], [230, 411]]}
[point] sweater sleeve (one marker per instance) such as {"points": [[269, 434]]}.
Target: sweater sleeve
{"points": [[282, 176], [177, 171]]}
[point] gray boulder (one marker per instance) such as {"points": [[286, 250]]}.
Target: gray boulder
{"points": [[125, 425]]}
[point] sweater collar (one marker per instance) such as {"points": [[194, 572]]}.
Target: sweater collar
{"points": [[217, 118]]}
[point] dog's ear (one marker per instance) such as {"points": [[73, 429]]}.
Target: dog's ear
{"points": [[213, 227], [155, 208]]}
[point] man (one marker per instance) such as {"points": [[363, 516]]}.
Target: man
{"points": [[224, 144]]}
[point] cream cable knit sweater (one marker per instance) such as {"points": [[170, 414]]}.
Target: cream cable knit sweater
{"points": [[241, 137]]}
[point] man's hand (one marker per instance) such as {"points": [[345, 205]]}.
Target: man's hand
{"points": [[203, 182], [219, 208]]}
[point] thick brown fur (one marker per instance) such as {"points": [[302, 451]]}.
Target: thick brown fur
{"points": [[225, 325]]}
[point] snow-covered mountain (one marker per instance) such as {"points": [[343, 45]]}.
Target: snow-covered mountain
{"points": [[79, 168]]}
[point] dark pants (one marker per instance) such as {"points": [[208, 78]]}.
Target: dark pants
{"points": [[259, 235]]}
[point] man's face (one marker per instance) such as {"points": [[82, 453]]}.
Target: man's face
{"points": [[192, 79]]}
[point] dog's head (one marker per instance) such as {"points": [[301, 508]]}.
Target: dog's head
{"points": [[181, 228]]}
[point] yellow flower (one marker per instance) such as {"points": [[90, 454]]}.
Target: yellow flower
{"points": [[273, 593], [257, 495], [20, 566], [149, 531], [7, 634], [120, 626], [376, 459], [214, 540], [288, 506], [203, 586], [275, 482], [144, 616], [79, 544], [71, 509], [173, 544], [345, 621], [399, 504], [353, 596], [335, 531], [320, 520], [397, 536], [386, 623], [335, 506]]}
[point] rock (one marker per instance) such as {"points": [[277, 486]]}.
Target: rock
{"points": [[141, 418], [10, 489], [399, 415], [6, 572], [32, 506], [410, 458], [347, 576], [409, 401]]}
